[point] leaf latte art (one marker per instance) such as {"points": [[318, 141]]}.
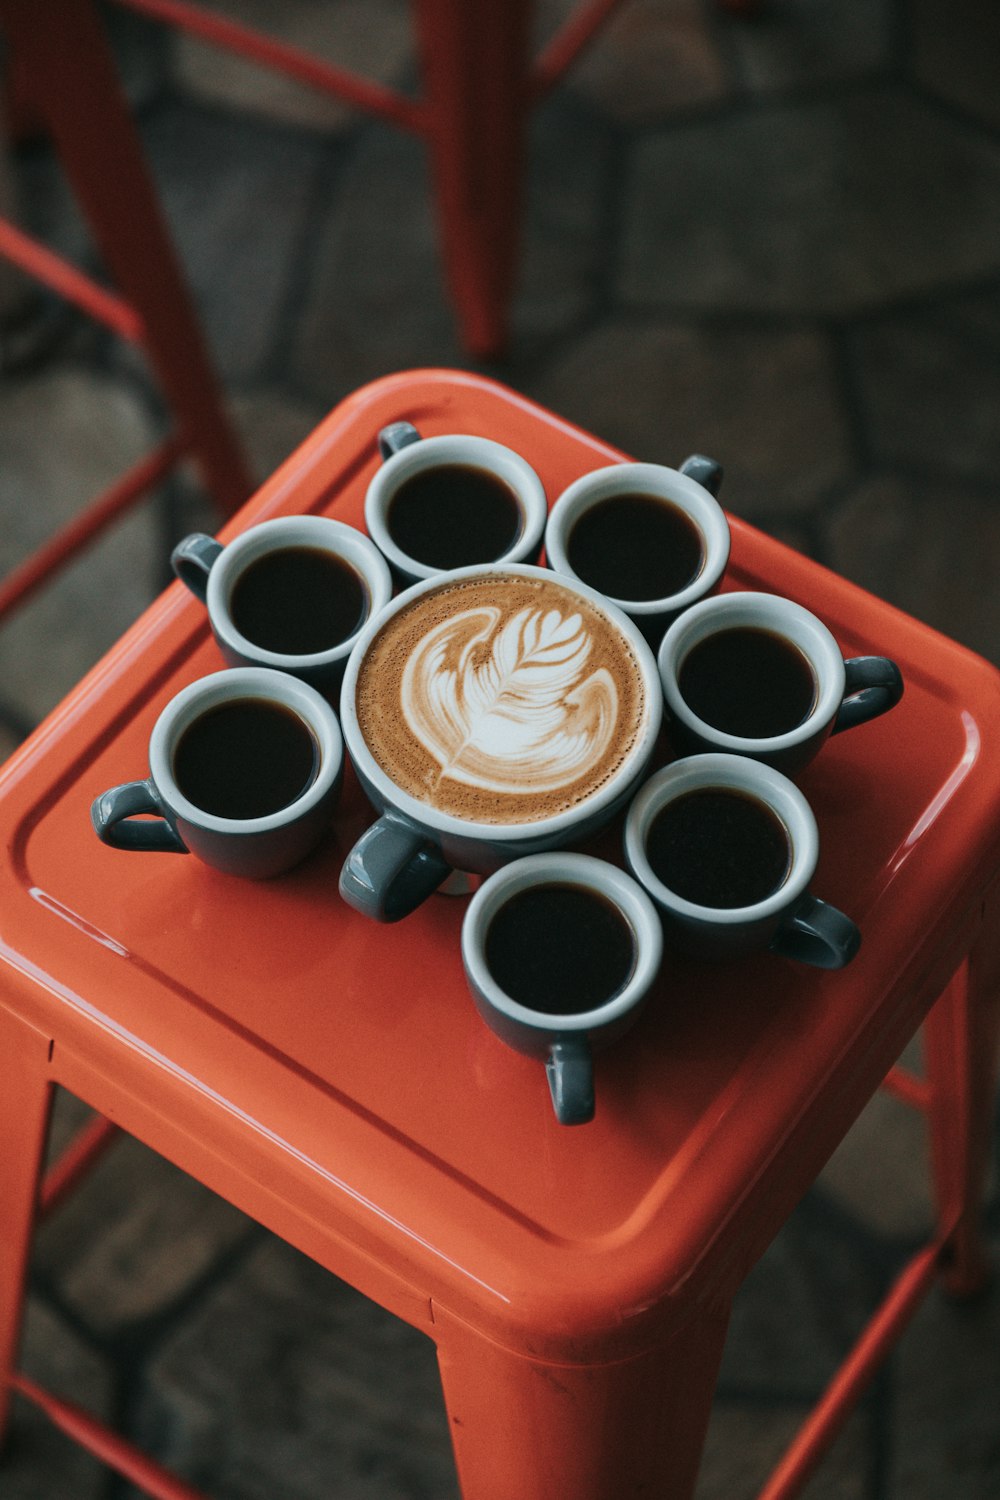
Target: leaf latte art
{"points": [[504, 705], [501, 699]]}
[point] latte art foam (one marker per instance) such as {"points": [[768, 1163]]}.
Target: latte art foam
{"points": [[501, 699]]}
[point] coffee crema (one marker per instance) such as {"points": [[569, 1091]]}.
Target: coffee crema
{"points": [[500, 699]]}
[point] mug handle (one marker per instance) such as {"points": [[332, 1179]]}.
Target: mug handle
{"points": [[396, 436], [704, 471], [391, 869], [570, 1072], [116, 821], [874, 684], [192, 561], [816, 933]]}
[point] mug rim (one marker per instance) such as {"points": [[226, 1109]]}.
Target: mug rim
{"points": [[669, 484], [476, 452], [447, 825], [233, 684], [588, 873], [754, 609], [739, 773], [321, 532]]}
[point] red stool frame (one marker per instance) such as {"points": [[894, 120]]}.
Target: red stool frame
{"points": [[66, 82], [340, 1087]]}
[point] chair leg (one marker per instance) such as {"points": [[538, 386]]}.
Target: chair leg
{"points": [[961, 1036], [475, 61], [606, 1432], [25, 1102], [66, 69]]}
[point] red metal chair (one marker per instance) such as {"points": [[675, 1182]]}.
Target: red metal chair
{"points": [[343, 1090], [67, 83]]}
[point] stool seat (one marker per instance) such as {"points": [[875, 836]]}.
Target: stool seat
{"points": [[332, 1078]]}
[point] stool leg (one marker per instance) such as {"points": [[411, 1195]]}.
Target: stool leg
{"points": [[474, 61], [961, 1041], [25, 1101], [66, 68], [607, 1432]]}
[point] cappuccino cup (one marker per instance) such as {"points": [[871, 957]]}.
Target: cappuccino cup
{"points": [[726, 847], [653, 540], [245, 769], [755, 674], [560, 951], [291, 594], [490, 713], [448, 502]]}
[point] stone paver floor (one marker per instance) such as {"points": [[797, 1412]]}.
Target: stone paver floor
{"points": [[774, 241]]}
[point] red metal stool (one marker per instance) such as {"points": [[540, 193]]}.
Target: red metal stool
{"points": [[66, 81], [339, 1086]]}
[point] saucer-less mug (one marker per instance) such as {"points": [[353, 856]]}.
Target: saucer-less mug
{"points": [[560, 951], [245, 767], [755, 674], [726, 847], [490, 713], [451, 501], [291, 594], [652, 539]]}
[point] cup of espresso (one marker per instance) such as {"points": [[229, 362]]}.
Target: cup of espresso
{"points": [[726, 847], [755, 674], [490, 713], [448, 502], [651, 539], [290, 594], [245, 769], [560, 951]]}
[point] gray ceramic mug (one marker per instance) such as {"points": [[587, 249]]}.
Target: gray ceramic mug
{"points": [[691, 523], [506, 700], [835, 694], [503, 484], [338, 557], [297, 745], [741, 830], [564, 1038]]}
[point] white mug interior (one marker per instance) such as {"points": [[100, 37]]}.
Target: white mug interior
{"points": [[442, 451], [711, 772], [319, 532], [446, 825], [233, 685], [644, 479], [583, 870], [759, 611]]}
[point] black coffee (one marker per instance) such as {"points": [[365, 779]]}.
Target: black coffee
{"points": [[245, 759], [298, 601], [635, 547], [454, 515], [748, 682], [719, 848], [560, 949]]}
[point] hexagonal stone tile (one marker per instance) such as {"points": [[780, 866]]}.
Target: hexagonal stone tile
{"points": [[930, 548], [827, 207], [237, 205], [945, 1382], [955, 54], [913, 414], [285, 1381], [37, 1459], [763, 402], [796, 43], [65, 435], [374, 299], [652, 59], [133, 1238], [371, 38]]}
